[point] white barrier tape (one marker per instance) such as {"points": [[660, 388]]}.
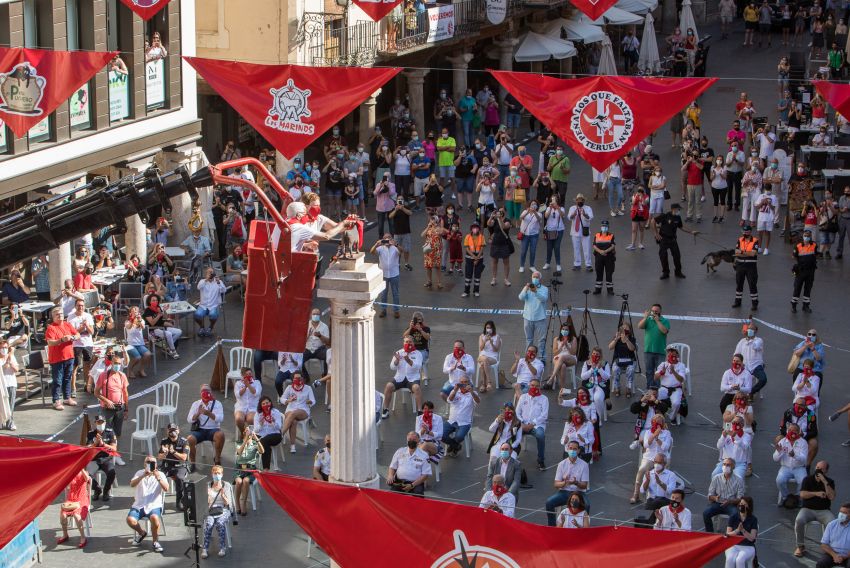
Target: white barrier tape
{"points": [[564, 313], [148, 390]]}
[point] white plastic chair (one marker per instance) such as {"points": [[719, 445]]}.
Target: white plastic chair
{"points": [[305, 433], [684, 357], [435, 468], [167, 395], [403, 402], [279, 449], [147, 419], [494, 368], [254, 492], [239, 357]]}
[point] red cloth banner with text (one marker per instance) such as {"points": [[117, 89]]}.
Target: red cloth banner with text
{"points": [[593, 8], [377, 9], [33, 82], [602, 118], [289, 105], [146, 9], [426, 533], [33, 474], [837, 95]]}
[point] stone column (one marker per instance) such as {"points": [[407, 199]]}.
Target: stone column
{"points": [[415, 84], [460, 63], [135, 238], [367, 119], [352, 286], [506, 63], [181, 206], [60, 267]]}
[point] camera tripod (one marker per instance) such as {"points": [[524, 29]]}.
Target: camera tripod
{"points": [[553, 325], [583, 353], [196, 546], [625, 312]]}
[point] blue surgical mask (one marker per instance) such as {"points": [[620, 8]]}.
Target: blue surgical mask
{"points": [[308, 168], [316, 317], [216, 477], [116, 367], [505, 454], [572, 453], [565, 332], [842, 517], [751, 333], [535, 281]]}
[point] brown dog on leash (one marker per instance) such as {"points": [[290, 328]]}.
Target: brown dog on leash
{"points": [[713, 259]]}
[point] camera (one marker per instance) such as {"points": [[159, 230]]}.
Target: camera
{"points": [[555, 282], [625, 297], [385, 241]]}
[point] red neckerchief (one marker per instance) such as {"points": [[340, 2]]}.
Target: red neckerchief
{"points": [[573, 511], [298, 388], [737, 372], [267, 416], [154, 309], [428, 420]]}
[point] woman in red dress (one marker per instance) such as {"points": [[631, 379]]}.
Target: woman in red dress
{"points": [[76, 506]]}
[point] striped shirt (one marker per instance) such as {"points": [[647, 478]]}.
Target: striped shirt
{"points": [[726, 489]]}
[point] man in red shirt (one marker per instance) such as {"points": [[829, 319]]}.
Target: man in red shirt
{"points": [[60, 336], [693, 169], [111, 391]]}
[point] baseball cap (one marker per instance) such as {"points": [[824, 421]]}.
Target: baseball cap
{"points": [[172, 426], [746, 228], [99, 418]]}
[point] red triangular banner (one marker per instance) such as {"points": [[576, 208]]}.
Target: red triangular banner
{"points": [[593, 9], [33, 82], [837, 95], [146, 9], [289, 105], [602, 118], [377, 9], [436, 534], [33, 474]]}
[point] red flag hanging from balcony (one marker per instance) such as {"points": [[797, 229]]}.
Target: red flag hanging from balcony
{"points": [[33, 474], [291, 105], [593, 8], [602, 118], [146, 9], [442, 535], [33, 82], [838, 96], [377, 9]]}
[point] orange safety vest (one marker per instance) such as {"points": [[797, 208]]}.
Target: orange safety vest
{"points": [[473, 242], [804, 249], [747, 245], [603, 238]]}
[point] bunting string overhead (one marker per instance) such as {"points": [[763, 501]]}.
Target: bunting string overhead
{"points": [[33, 82], [602, 118], [289, 105]]}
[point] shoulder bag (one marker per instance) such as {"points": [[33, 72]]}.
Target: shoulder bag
{"points": [[217, 510]]}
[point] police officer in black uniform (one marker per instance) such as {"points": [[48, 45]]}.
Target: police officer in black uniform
{"points": [[103, 437], [664, 226], [805, 253], [174, 459], [604, 251], [746, 267]]}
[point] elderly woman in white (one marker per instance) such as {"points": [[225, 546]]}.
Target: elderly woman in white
{"points": [[654, 441]]}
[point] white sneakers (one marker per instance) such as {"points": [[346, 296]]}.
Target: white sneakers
{"points": [[546, 266], [522, 269], [765, 252], [634, 445]]}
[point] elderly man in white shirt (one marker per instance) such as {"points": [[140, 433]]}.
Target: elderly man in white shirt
{"points": [[462, 401], [212, 290], [458, 365], [498, 498], [671, 375], [735, 379], [207, 414], [409, 468], [752, 348], [791, 452], [318, 342], [658, 485], [655, 441], [303, 236], [734, 443], [573, 474], [533, 412], [526, 369], [430, 427], [675, 516], [407, 364], [578, 218], [150, 485]]}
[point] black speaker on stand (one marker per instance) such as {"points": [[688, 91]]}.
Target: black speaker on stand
{"points": [[194, 488]]}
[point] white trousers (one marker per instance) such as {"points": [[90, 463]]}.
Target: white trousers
{"points": [[581, 245]]}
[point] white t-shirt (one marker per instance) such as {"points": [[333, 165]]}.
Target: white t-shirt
{"points": [[136, 335], [668, 523], [766, 205], [485, 194], [566, 518], [85, 339], [247, 402], [461, 408], [149, 493], [388, 257]]}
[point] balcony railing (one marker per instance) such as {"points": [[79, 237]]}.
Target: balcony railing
{"points": [[364, 42]]}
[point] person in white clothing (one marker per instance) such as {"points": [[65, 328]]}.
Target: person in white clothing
{"points": [[268, 426], [407, 364], [675, 516], [498, 498], [655, 441], [409, 468], [766, 205], [572, 475], [734, 443], [735, 379], [430, 428], [579, 429], [287, 365], [299, 399], [579, 218], [247, 392], [659, 483], [303, 236], [807, 385], [205, 416], [489, 353], [791, 452], [150, 485], [457, 365], [506, 429], [533, 412], [525, 370], [574, 515], [751, 348], [657, 186], [318, 343], [462, 401], [83, 322], [9, 385], [595, 374], [582, 400], [671, 375], [212, 291]]}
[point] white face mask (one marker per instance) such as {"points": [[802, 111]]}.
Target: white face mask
{"points": [[727, 469], [659, 467], [100, 427]]}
